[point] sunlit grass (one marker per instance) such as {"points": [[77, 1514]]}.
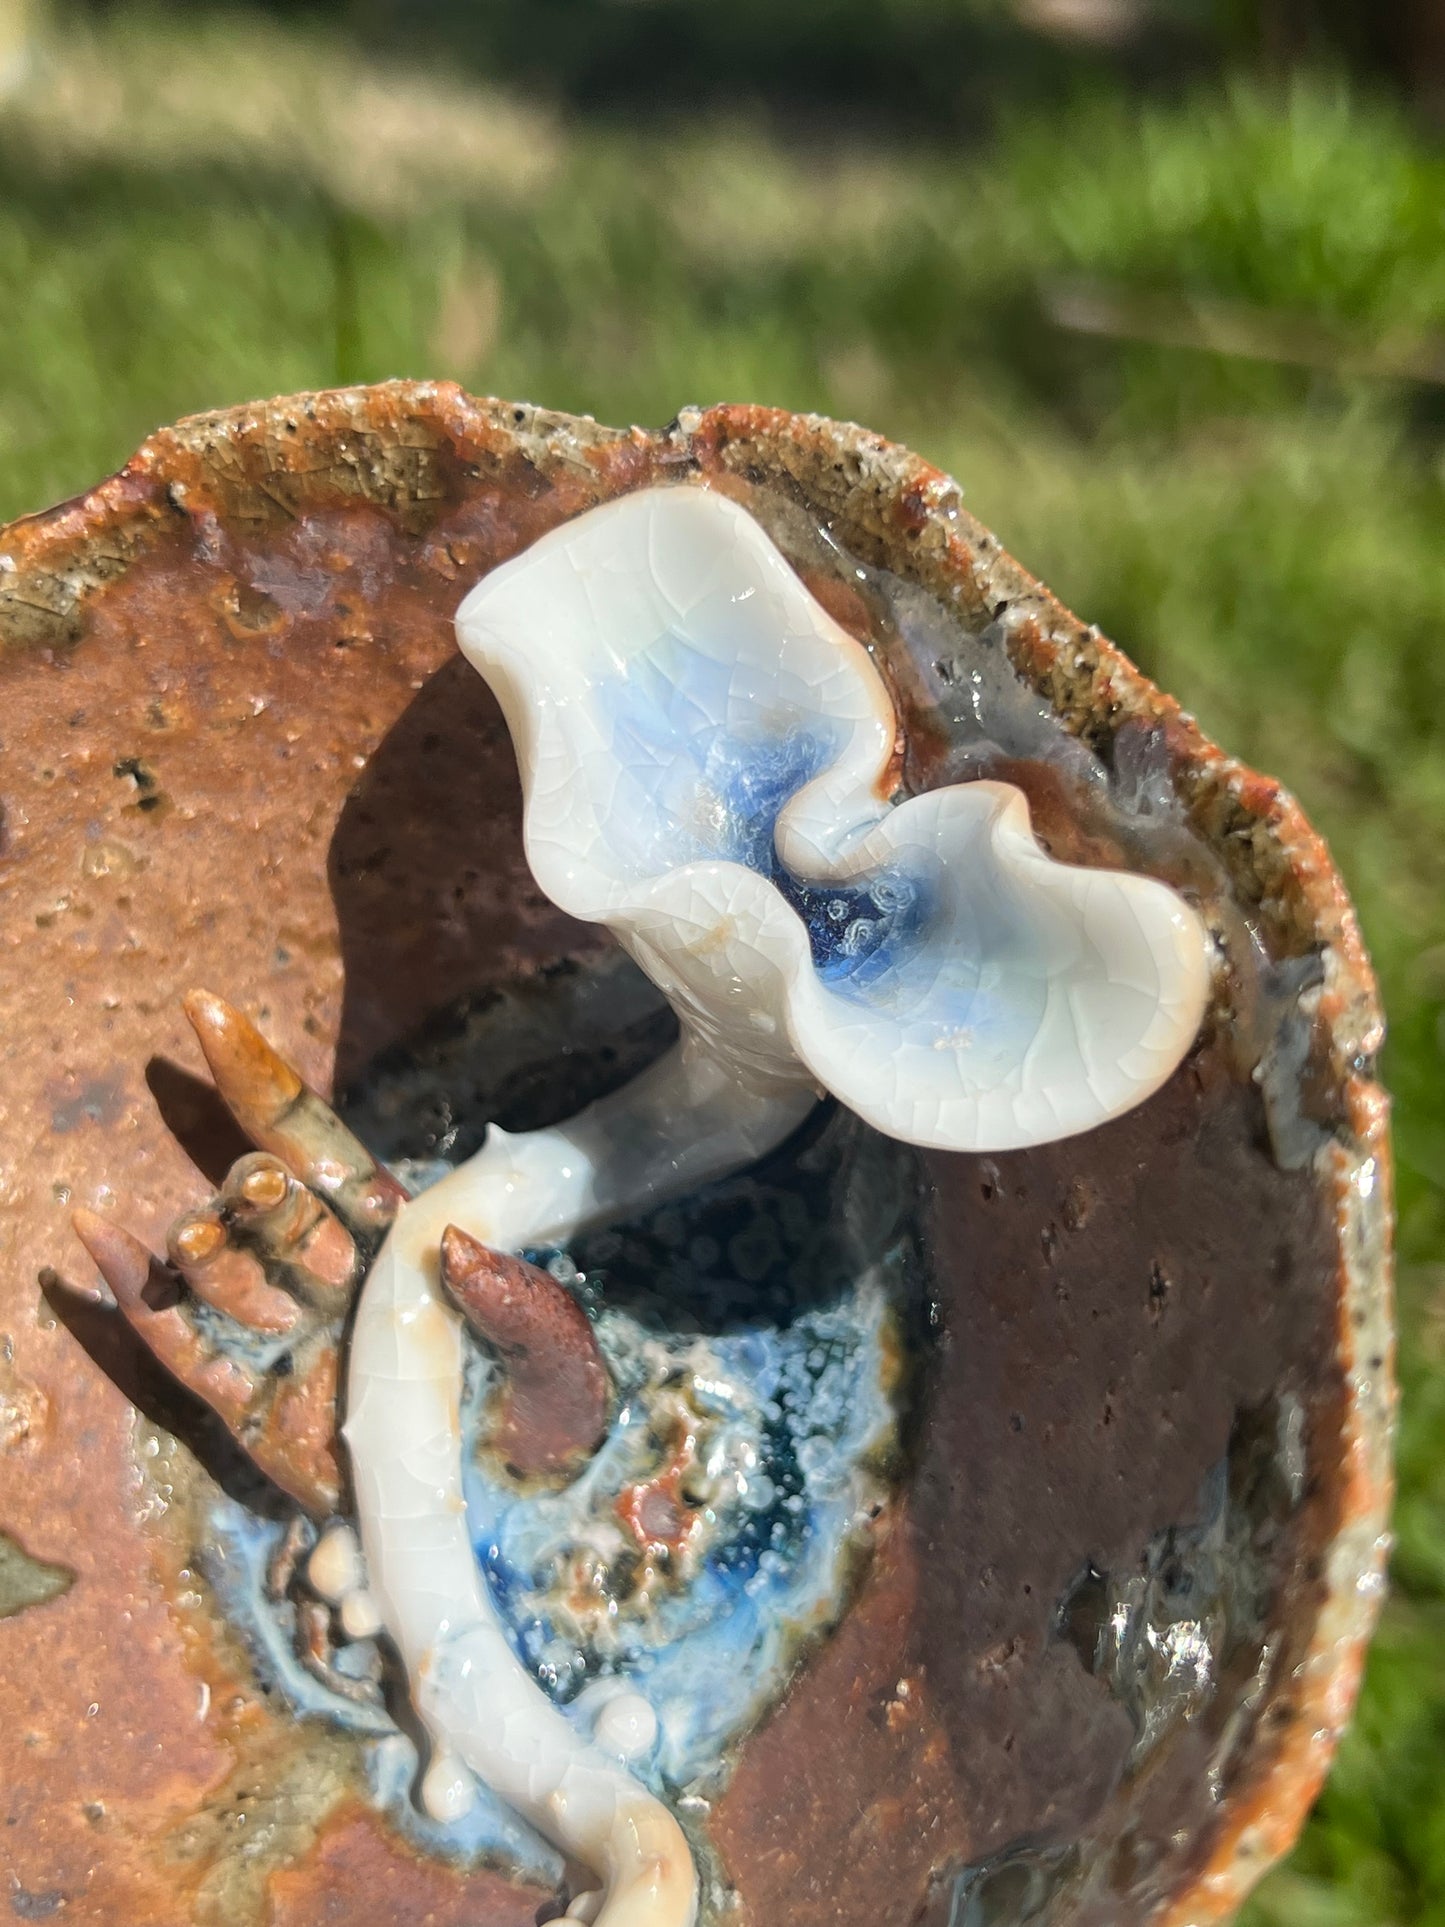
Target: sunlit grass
{"points": [[191, 219]]}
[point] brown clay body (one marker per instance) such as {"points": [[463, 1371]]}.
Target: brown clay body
{"points": [[239, 749]]}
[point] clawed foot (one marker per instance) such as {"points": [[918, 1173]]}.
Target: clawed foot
{"points": [[250, 1307], [249, 1311]]}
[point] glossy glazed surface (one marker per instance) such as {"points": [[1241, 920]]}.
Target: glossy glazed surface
{"points": [[223, 637]]}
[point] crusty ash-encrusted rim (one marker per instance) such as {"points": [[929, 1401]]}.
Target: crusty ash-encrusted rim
{"points": [[408, 447]]}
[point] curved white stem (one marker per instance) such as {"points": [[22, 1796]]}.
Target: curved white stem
{"points": [[680, 1123]]}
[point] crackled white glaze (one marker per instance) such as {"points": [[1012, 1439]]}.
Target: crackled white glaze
{"points": [[703, 752]]}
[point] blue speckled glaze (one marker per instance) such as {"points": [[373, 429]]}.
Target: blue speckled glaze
{"points": [[775, 1302], [690, 789], [810, 1402], [784, 1300]]}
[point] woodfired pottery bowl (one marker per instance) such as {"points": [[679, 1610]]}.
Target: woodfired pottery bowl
{"points": [[239, 749]]}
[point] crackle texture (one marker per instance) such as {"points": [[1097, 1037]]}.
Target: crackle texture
{"points": [[707, 761]]}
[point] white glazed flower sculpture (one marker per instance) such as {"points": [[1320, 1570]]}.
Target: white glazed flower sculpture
{"points": [[704, 754]]}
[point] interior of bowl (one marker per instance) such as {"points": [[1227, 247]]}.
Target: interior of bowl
{"points": [[1129, 1546]]}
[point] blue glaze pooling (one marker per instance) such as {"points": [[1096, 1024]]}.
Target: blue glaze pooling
{"points": [[783, 1300], [810, 1405], [774, 1306], [691, 789], [235, 1562], [858, 932]]}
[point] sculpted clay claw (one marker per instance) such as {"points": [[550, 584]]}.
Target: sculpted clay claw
{"points": [[280, 1114], [267, 1253], [284, 1422], [553, 1406]]}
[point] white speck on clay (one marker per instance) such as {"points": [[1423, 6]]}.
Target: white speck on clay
{"points": [[360, 1615], [335, 1567]]}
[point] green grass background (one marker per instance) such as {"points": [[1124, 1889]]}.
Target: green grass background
{"points": [[199, 208]]}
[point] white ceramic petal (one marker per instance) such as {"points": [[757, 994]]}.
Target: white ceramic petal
{"points": [[1033, 1000], [669, 684], [703, 752]]}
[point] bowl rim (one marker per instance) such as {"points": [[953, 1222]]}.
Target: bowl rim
{"points": [[392, 440]]}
